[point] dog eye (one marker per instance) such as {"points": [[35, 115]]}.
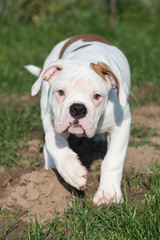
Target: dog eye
{"points": [[97, 96], [60, 92]]}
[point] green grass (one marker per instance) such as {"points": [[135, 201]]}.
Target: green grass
{"points": [[137, 218], [16, 124], [11, 218], [140, 135]]}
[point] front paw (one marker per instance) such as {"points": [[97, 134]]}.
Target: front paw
{"points": [[73, 172], [107, 195]]}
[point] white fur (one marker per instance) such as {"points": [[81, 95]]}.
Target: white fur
{"points": [[109, 115]]}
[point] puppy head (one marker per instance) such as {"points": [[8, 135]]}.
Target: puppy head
{"points": [[77, 96]]}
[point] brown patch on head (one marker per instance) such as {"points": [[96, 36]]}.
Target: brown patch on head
{"points": [[104, 71], [84, 38]]}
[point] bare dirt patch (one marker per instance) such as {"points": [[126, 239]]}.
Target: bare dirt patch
{"points": [[33, 149], [148, 115], [142, 157], [13, 100], [37, 192], [43, 192]]}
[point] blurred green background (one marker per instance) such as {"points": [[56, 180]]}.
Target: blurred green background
{"points": [[30, 28]]}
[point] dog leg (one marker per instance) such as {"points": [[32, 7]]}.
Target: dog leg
{"points": [[112, 166], [65, 160]]}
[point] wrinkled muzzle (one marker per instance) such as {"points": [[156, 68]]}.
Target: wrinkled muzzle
{"points": [[77, 119]]}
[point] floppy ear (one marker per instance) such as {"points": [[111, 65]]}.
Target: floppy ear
{"points": [[107, 74], [46, 74]]}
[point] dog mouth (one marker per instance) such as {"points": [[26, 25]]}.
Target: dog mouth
{"points": [[75, 127]]}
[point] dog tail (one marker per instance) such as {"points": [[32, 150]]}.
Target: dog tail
{"points": [[33, 69]]}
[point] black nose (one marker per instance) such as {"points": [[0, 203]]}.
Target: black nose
{"points": [[78, 110]]}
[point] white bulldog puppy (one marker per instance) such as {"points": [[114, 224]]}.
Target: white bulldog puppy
{"points": [[85, 87]]}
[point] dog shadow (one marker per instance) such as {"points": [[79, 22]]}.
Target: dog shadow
{"points": [[87, 149]]}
